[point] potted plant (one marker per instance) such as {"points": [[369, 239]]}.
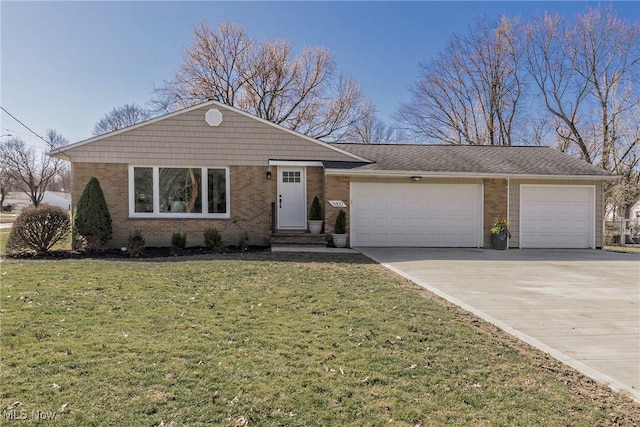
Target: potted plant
{"points": [[500, 233], [315, 217], [340, 230]]}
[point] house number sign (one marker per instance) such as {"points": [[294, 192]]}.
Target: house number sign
{"points": [[337, 203]]}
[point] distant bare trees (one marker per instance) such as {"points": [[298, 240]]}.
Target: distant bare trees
{"points": [[371, 130], [548, 80], [121, 117], [27, 171], [471, 93], [302, 92], [587, 73]]}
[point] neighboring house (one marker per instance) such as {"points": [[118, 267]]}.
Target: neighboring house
{"points": [[635, 212], [212, 165], [19, 199]]}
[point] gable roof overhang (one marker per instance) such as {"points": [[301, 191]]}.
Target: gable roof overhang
{"points": [[62, 152], [465, 161]]}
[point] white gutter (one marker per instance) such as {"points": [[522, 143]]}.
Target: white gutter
{"points": [[426, 174]]}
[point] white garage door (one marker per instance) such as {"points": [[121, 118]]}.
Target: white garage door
{"points": [[416, 214], [557, 216]]}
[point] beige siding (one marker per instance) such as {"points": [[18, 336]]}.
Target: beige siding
{"points": [[514, 205], [186, 139]]}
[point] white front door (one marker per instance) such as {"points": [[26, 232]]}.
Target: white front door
{"points": [[292, 204]]}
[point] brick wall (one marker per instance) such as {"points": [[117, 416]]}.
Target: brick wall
{"points": [[495, 205], [336, 188], [251, 198]]}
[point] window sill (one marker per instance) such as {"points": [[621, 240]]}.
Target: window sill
{"points": [[179, 216]]}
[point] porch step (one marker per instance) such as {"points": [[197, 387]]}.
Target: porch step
{"points": [[298, 239]]}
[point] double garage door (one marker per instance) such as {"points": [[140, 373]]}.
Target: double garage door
{"points": [[416, 214], [451, 215]]}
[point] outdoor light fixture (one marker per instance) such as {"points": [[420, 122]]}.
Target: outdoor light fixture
{"points": [[416, 178], [268, 174]]}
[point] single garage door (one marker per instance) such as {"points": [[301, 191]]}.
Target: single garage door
{"points": [[416, 214], [557, 216]]}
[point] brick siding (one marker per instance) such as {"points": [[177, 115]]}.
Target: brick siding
{"points": [[251, 198], [495, 205]]}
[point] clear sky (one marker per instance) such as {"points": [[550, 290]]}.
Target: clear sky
{"points": [[65, 64]]}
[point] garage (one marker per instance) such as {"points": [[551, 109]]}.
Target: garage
{"points": [[416, 214], [557, 216]]}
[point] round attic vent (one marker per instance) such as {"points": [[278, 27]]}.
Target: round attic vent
{"points": [[213, 117]]}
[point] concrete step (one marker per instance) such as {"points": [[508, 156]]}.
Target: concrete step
{"points": [[298, 239]]}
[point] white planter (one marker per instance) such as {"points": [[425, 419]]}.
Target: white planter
{"points": [[315, 226], [339, 240]]}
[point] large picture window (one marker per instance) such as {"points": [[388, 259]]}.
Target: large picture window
{"points": [[178, 192]]}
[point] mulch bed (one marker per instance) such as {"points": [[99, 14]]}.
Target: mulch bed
{"points": [[149, 252]]}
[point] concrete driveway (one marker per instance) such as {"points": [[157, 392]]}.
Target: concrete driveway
{"points": [[580, 306]]}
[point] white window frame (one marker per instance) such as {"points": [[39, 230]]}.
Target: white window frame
{"points": [[156, 214]]}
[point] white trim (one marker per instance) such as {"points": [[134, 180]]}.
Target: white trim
{"points": [[427, 174], [61, 151], [290, 163], [592, 213], [156, 214], [480, 223], [508, 207], [303, 179]]}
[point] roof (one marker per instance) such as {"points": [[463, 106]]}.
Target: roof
{"points": [[465, 160], [183, 136]]}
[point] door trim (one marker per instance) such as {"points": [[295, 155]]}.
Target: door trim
{"points": [[303, 179]]}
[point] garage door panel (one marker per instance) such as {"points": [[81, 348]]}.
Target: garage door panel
{"points": [[428, 215], [557, 216]]}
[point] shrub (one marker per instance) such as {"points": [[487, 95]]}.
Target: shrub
{"points": [[213, 238], [38, 229], [92, 219], [341, 223], [178, 242], [135, 244], [315, 213], [243, 240]]}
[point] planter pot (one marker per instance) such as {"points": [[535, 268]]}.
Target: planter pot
{"points": [[499, 241], [339, 240], [315, 226]]}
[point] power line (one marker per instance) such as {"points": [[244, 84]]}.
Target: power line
{"points": [[27, 127]]}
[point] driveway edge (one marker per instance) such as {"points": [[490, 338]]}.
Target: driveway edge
{"points": [[558, 355]]}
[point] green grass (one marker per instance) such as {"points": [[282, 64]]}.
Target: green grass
{"points": [[274, 339], [8, 217], [622, 249]]}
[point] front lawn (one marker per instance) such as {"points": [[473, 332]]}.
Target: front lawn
{"points": [[269, 340]]}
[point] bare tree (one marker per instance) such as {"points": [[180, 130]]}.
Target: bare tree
{"points": [[371, 130], [62, 180], [121, 117], [302, 92], [6, 183], [27, 171], [471, 93], [586, 73]]}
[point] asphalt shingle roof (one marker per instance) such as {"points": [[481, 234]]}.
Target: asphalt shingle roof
{"points": [[467, 159]]}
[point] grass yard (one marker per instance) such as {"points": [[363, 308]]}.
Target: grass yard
{"points": [[622, 249], [269, 340], [8, 217]]}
